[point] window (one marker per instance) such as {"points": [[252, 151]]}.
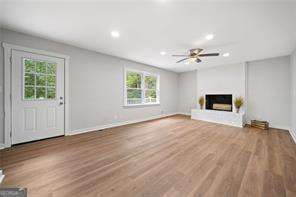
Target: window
{"points": [[141, 88], [39, 80]]}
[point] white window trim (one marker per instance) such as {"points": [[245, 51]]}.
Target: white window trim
{"points": [[144, 73]]}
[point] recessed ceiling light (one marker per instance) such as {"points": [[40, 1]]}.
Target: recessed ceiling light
{"points": [[162, 53], [187, 63], [209, 36], [226, 54], [115, 34]]}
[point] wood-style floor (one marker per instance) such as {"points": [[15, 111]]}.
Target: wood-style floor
{"points": [[171, 157]]}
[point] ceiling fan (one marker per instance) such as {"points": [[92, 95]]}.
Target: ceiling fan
{"points": [[194, 55]]}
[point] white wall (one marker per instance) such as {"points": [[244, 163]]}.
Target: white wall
{"points": [[293, 95], [1, 91], [268, 91], [226, 79], [187, 92], [96, 85], [265, 84]]}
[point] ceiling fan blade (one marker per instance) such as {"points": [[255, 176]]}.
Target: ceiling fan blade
{"points": [[195, 51], [198, 60], [182, 60], [180, 55], [208, 54], [199, 50]]}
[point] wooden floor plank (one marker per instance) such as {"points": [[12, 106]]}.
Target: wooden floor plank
{"points": [[169, 157]]}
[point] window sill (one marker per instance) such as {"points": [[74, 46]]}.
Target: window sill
{"points": [[142, 105]]}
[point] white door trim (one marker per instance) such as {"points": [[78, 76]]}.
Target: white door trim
{"points": [[7, 86]]}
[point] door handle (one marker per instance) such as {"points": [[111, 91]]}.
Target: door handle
{"points": [[61, 103]]}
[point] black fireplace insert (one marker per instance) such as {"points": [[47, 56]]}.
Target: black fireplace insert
{"points": [[221, 102]]}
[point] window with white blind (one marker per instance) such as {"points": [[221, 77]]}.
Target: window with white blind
{"points": [[141, 88]]}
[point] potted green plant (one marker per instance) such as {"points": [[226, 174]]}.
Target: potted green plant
{"points": [[201, 102], [238, 102]]}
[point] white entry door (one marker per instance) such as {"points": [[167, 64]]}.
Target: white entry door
{"points": [[37, 88]]}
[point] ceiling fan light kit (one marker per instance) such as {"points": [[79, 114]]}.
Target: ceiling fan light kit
{"points": [[194, 55]]}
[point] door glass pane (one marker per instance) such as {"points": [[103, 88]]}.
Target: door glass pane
{"points": [[40, 80], [40, 67], [51, 80], [133, 80], [29, 92], [51, 93], [134, 96], [29, 79], [40, 93], [29, 66], [51, 68]]}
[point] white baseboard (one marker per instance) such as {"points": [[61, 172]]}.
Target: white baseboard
{"points": [[293, 135], [117, 124], [275, 126], [279, 127], [184, 113], [2, 146]]}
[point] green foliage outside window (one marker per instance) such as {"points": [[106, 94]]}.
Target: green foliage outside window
{"points": [[150, 82], [40, 67], [150, 94], [29, 79], [51, 68], [39, 79], [40, 93], [133, 80], [135, 92], [51, 80], [30, 66], [133, 83], [29, 92], [51, 93]]}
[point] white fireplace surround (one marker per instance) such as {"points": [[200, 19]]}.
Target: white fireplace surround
{"points": [[221, 117], [229, 79]]}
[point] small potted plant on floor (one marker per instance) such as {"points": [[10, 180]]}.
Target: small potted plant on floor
{"points": [[201, 102], [238, 102]]}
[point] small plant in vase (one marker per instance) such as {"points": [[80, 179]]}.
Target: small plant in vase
{"points": [[201, 102], [238, 102]]}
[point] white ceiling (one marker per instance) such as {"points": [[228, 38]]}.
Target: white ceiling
{"points": [[247, 30]]}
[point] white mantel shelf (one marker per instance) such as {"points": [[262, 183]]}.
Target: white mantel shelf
{"points": [[221, 117]]}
